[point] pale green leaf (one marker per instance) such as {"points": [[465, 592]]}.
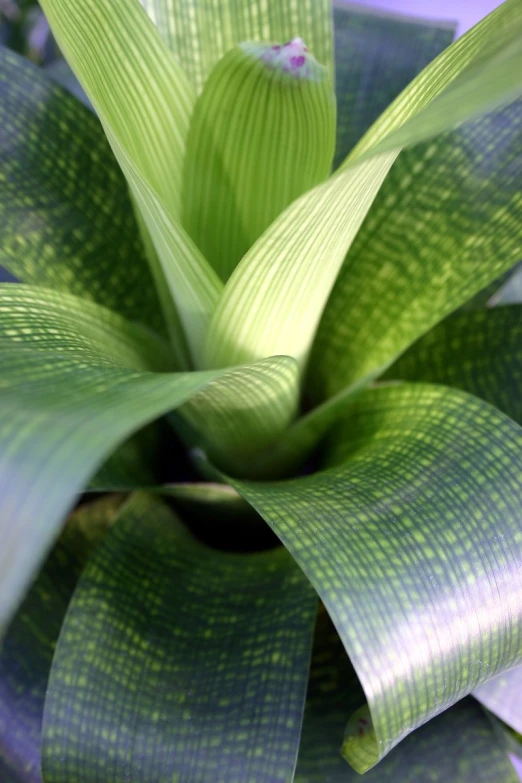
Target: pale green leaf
{"points": [[262, 133], [445, 224], [274, 299], [177, 662], [200, 32], [78, 380], [144, 102], [412, 539]]}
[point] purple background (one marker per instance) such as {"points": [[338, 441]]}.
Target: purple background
{"points": [[466, 12]]}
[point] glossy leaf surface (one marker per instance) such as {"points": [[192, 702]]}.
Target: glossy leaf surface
{"points": [[458, 746], [412, 540], [179, 662], [28, 648]]}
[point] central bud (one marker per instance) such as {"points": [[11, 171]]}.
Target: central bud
{"points": [[292, 58]]}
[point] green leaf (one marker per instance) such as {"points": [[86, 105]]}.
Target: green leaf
{"points": [[412, 539], [200, 33], [77, 381], [243, 412], [262, 133], [478, 351], [179, 662], [144, 102], [28, 648], [273, 302], [66, 221], [376, 55], [444, 225], [458, 746], [502, 696], [478, 73]]}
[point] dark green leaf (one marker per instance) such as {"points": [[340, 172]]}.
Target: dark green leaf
{"points": [[412, 539], [458, 746], [177, 662], [66, 221], [444, 224], [28, 648], [376, 56], [478, 351]]}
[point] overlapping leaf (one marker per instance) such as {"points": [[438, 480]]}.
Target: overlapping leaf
{"points": [[444, 225], [458, 746], [274, 299], [376, 55], [65, 216], [262, 133], [412, 539], [27, 651], [200, 33], [144, 101], [75, 383], [176, 661], [479, 352]]}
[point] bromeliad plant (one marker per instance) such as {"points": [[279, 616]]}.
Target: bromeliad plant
{"points": [[299, 339]]}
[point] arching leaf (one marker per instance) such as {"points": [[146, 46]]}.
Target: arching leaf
{"points": [[412, 539], [28, 648], [179, 662]]}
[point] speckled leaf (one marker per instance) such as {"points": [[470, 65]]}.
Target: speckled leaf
{"points": [[28, 648], [177, 662], [458, 746], [412, 539], [200, 32], [66, 220], [479, 352], [503, 696], [274, 300], [76, 381], [376, 55], [262, 133], [144, 101], [444, 225]]}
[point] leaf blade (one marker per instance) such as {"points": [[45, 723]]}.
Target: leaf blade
{"points": [[200, 725], [144, 102], [274, 300], [200, 34], [54, 232], [413, 544]]}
